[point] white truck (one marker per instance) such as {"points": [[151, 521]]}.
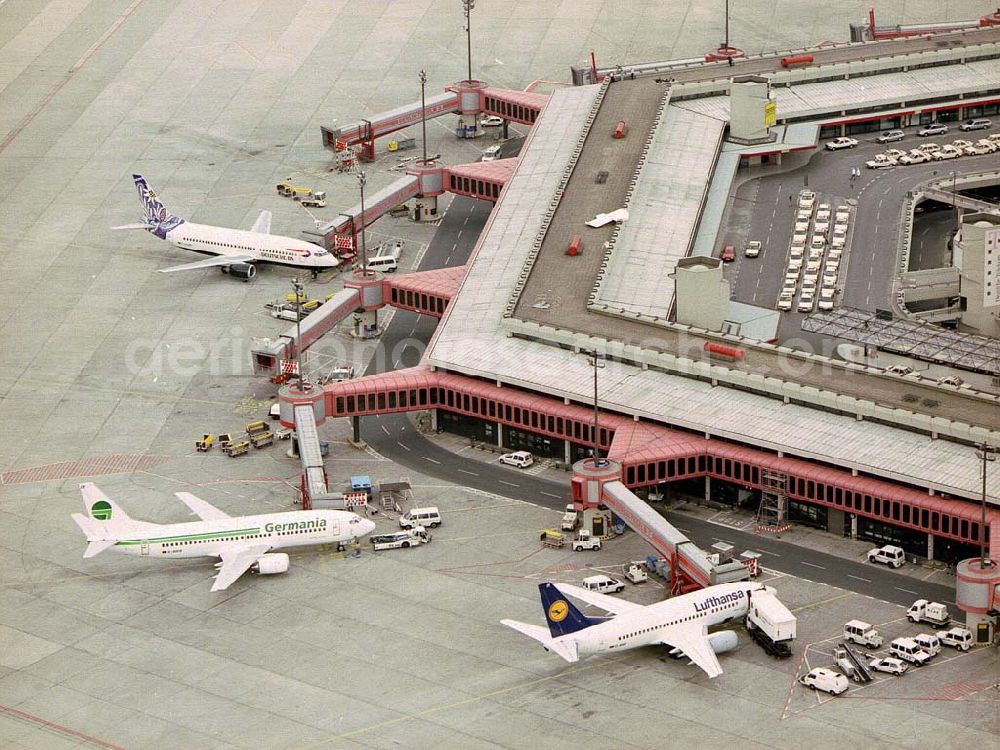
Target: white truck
{"points": [[584, 540], [407, 538], [958, 637], [771, 624], [570, 518], [930, 612], [635, 571]]}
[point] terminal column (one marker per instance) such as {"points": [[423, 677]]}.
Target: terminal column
{"points": [[588, 491]]}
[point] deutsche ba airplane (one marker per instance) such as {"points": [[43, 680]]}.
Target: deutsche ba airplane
{"points": [[242, 543], [236, 251], [681, 622]]}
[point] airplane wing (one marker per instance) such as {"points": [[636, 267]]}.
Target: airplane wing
{"points": [[263, 223], [217, 260], [206, 511], [605, 602], [692, 639], [236, 563], [132, 226]]}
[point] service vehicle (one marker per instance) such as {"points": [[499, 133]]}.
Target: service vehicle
{"points": [[490, 121], [492, 153], [408, 538], [862, 633], [929, 643], [289, 189], [585, 540], [908, 650], [205, 443], [603, 584], [930, 612], [314, 200], [752, 249], [890, 665], [237, 449], [429, 516], [635, 571], [891, 136], [844, 663], [275, 411], [570, 518], [225, 440], [978, 123], [520, 459], [262, 439], [806, 199], [934, 128], [843, 142], [889, 554], [826, 680], [914, 157], [957, 637], [770, 624], [728, 254], [552, 538]]}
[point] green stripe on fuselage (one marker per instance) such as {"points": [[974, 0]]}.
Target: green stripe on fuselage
{"points": [[207, 537]]}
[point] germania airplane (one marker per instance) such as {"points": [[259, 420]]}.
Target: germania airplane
{"points": [[242, 543], [681, 622], [236, 250]]}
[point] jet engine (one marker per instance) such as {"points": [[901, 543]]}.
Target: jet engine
{"points": [[276, 562], [245, 271], [721, 642]]}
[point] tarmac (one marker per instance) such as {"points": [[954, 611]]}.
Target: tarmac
{"points": [[109, 372]]}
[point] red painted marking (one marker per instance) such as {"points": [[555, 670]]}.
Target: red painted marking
{"points": [[59, 727], [30, 117], [116, 463]]}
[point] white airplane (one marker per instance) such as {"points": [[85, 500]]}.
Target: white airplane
{"points": [[681, 622], [236, 251], [242, 543]]}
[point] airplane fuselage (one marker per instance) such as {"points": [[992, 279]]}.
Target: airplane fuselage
{"points": [[270, 248], [213, 538], [651, 625]]}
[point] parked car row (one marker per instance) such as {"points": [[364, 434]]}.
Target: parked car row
{"points": [[818, 262], [934, 152], [896, 134]]}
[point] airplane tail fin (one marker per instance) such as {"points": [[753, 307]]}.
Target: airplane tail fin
{"points": [[104, 519], [157, 219], [561, 614]]}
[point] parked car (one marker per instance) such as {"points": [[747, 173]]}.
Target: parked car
{"points": [[958, 637], [753, 249], [935, 128], [946, 152], [862, 633], [842, 142], [826, 680], [889, 664], [889, 554], [881, 161], [490, 121], [929, 148], [520, 459], [914, 157], [728, 254], [806, 200], [978, 123], [891, 136], [603, 584], [975, 149]]}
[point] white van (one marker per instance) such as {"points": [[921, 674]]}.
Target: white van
{"points": [[386, 263], [928, 643], [603, 584], [826, 680], [520, 459], [862, 633], [907, 649], [492, 153], [420, 517]]}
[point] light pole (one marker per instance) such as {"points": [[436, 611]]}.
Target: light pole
{"points": [[986, 453], [954, 199], [597, 440], [468, 5], [297, 288], [362, 179], [423, 112], [726, 43]]}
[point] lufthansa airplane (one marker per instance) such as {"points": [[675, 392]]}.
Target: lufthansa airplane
{"points": [[241, 543], [681, 622], [236, 251]]}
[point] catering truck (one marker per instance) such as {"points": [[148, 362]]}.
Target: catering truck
{"points": [[770, 623]]}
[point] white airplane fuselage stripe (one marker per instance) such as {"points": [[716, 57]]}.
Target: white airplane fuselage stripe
{"points": [[271, 248], [653, 624]]}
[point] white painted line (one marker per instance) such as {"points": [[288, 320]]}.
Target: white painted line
{"points": [[549, 494], [386, 431], [432, 460], [768, 552], [405, 447], [470, 473], [908, 591], [509, 484], [859, 578], [813, 565]]}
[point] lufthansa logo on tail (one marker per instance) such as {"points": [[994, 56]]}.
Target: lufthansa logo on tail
{"points": [[558, 610]]}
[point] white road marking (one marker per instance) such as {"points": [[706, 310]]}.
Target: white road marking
{"points": [[908, 591], [471, 473], [509, 484], [404, 447], [385, 430], [768, 552], [859, 578], [813, 565], [432, 460], [549, 494]]}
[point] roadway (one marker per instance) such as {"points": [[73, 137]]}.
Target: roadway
{"points": [[395, 437]]}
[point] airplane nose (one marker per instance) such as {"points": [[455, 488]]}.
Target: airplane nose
{"points": [[369, 526]]}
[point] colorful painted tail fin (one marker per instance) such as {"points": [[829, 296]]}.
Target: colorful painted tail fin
{"points": [[561, 614], [158, 220], [104, 522]]}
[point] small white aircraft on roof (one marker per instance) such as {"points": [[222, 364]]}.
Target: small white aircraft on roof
{"points": [[236, 250], [242, 543], [681, 622]]}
